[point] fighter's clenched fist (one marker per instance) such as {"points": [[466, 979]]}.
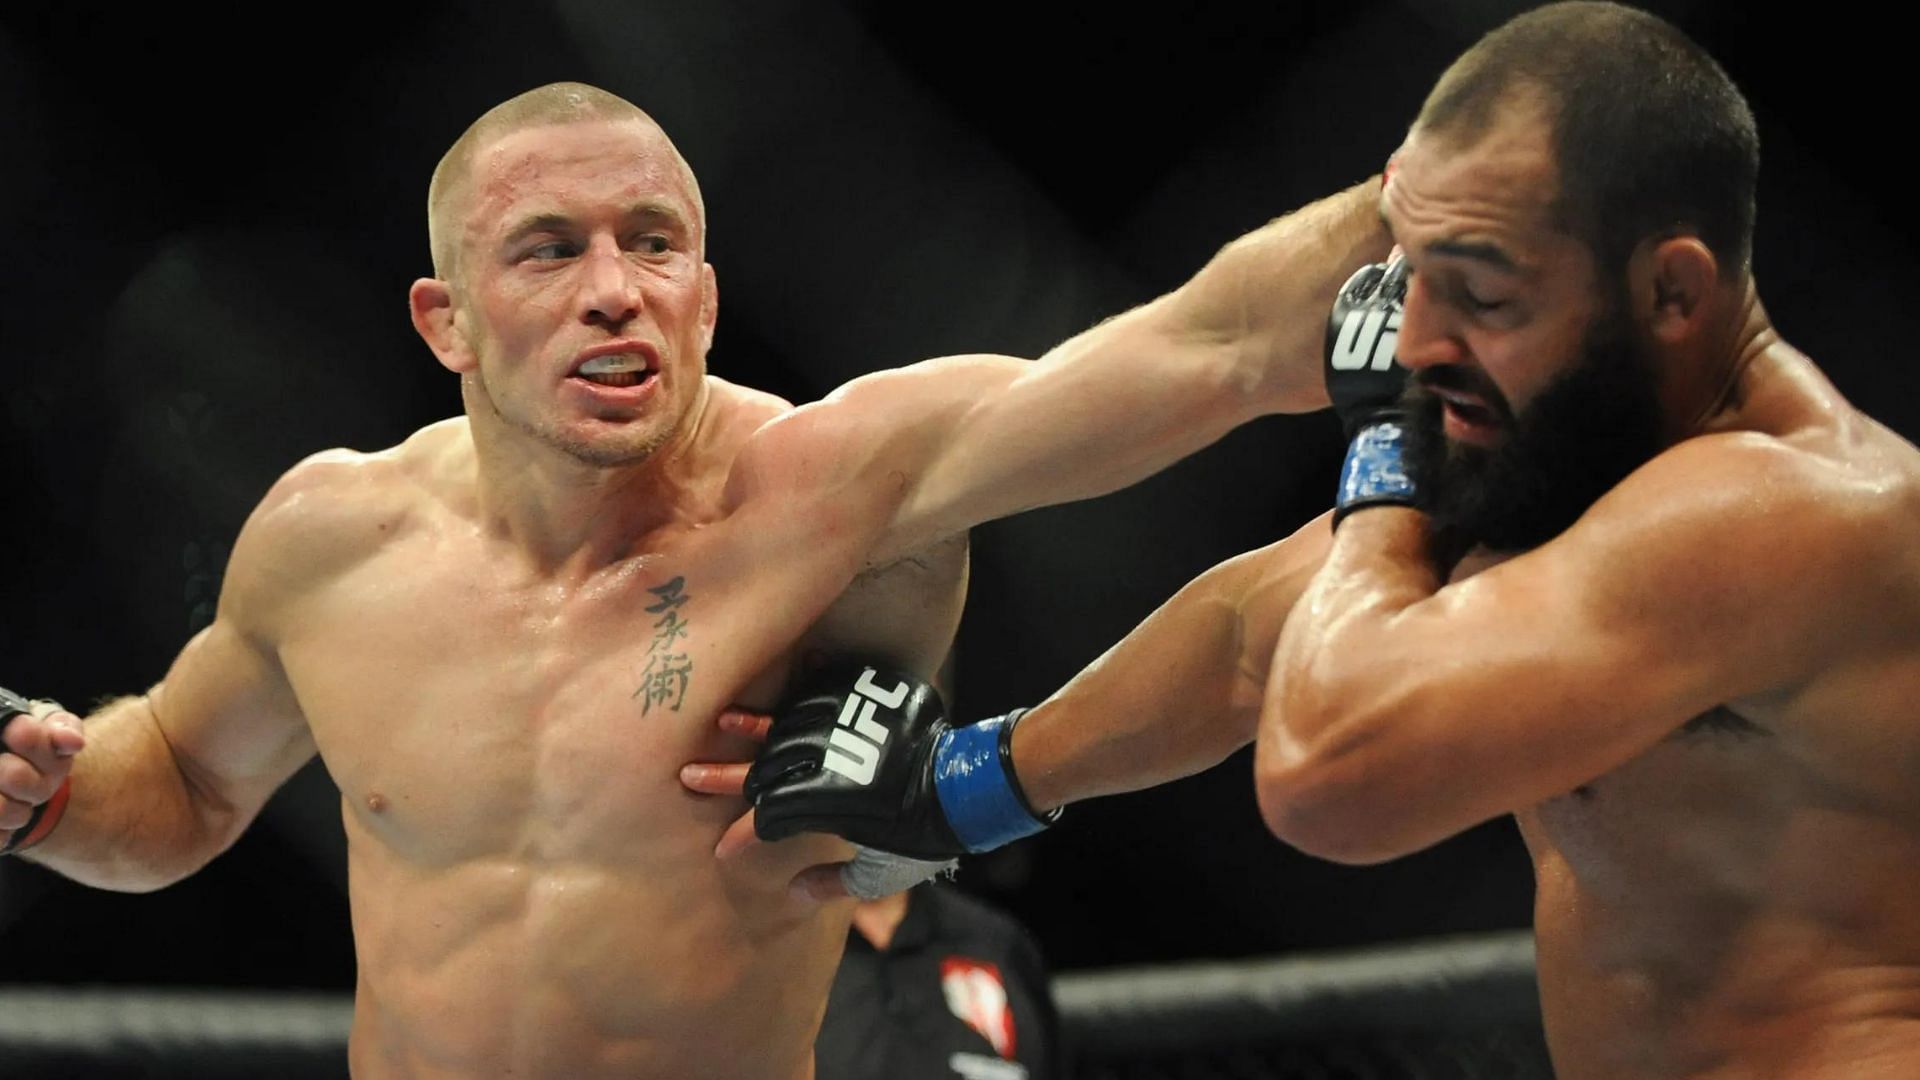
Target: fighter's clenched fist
{"points": [[38, 740]]}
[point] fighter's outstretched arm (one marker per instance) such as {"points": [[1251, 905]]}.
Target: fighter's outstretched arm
{"points": [[169, 779], [926, 451], [1175, 696]]}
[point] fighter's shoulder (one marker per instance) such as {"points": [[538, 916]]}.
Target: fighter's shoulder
{"points": [[338, 505], [775, 446], [1754, 498], [743, 406], [736, 416]]}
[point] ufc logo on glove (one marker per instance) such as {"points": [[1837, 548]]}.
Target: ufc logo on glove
{"points": [[1368, 337], [853, 750]]}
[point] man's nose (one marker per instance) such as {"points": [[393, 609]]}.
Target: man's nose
{"points": [[611, 293], [1427, 335]]}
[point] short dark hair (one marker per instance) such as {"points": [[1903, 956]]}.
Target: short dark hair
{"points": [[1650, 137]]}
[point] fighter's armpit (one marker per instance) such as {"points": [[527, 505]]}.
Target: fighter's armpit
{"points": [[940, 561], [906, 610]]}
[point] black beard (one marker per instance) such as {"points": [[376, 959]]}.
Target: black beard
{"points": [[1588, 430]]}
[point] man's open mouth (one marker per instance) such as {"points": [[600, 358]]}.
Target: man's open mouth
{"points": [[1468, 409], [616, 369]]}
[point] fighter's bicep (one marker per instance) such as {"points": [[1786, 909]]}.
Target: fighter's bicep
{"points": [[227, 700], [869, 446], [230, 717]]}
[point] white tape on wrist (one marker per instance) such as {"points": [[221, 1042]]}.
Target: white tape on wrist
{"points": [[874, 874]]}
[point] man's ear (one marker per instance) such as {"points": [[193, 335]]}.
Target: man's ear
{"points": [[1670, 281], [437, 320]]}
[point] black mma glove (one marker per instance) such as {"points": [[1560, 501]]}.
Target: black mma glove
{"points": [[1364, 381], [866, 753]]}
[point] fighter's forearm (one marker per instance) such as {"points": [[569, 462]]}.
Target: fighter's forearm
{"points": [[1328, 663], [1253, 318], [135, 820], [1242, 339], [1269, 293], [1160, 705], [1179, 693]]}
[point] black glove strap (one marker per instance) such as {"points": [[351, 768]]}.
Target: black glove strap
{"points": [[1013, 775]]}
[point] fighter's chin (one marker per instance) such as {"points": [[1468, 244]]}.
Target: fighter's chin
{"points": [[614, 454], [601, 445]]}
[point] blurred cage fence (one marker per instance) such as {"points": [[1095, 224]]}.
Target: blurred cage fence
{"points": [[1461, 1007]]}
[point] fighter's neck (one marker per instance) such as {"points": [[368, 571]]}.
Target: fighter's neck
{"points": [[1748, 369], [571, 519]]}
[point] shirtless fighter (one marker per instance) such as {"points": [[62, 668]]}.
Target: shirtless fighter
{"points": [[1693, 679], [506, 634]]}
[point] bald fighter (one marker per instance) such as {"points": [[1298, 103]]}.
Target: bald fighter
{"points": [[506, 634], [1692, 678]]}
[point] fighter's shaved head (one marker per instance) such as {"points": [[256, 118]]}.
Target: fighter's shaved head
{"points": [[1650, 136], [555, 103]]}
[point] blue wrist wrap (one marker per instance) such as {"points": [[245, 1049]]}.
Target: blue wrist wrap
{"points": [[981, 799], [1374, 473]]}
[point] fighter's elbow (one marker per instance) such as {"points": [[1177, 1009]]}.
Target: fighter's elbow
{"points": [[1305, 812], [142, 879], [168, 856], [1331, 803], [173, 867]]}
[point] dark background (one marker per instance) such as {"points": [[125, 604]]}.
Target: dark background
{"points": [[209, 227]]}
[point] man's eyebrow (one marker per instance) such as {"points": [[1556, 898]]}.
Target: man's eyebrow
{"points": [[535, 224], [658, 211], [650, 212], [1478, 250]]}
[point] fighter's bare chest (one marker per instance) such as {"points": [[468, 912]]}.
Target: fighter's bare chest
{"points": [[1687, 810], [447, 701]]}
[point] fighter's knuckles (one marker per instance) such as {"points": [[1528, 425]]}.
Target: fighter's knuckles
{"points": [[20, 780], [797, 794], [770, 775], [777, 819], [25, 735], [47, 748]]}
